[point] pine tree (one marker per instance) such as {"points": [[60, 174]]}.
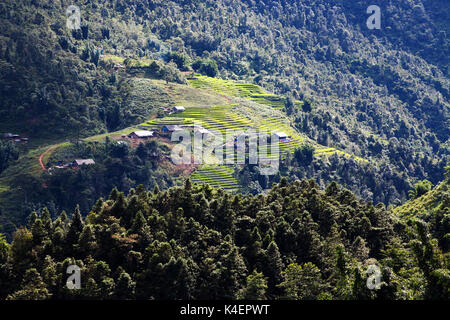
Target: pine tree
{"points": [[46, 220], [120, 205], [255, 288], [75, 229], [272, 266], [38, 231], [302, 282], [4, 248], [21, 250], [139, 224], [87, 241], [32, 219], [125, 287], [33, 288]]}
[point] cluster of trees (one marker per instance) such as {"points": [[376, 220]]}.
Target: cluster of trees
{"points": [[350, 78], [207, 67], [116, 165], [381, 183], [307, 49], [377, 95], [52, 89], [194, 242], [368, 86], [8, 153]]}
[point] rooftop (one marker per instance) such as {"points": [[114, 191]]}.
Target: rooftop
{"points": [[86, 162], [143, 133], [173, 127], [280, 134]]}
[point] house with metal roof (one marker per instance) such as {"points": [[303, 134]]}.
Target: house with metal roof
{"points": [[178, 109], [171, 128], [83, 162], [143, 134]]}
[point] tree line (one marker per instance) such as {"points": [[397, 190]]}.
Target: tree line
{"points": [[194, 242]]}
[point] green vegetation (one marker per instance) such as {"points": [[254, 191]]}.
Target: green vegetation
{"points": [[24, 186], [304, 154], [196, 242], [233, 117], [8, 153], [420, 189], [217, 177], [191, 97], [242, 90], [426, 203], [387, 110], [368, 110], [220, 118], [207, 67]]}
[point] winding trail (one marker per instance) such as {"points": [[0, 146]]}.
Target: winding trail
{"points": [[41, 163]]}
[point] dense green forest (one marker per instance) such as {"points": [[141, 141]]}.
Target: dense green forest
{"points": [[295, 242], [8, 153], [378, 98], [395, 81], [379, 94]]}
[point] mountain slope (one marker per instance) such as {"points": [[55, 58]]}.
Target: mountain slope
{"points": [[380, 95]]}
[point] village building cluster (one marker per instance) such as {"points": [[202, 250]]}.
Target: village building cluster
{"points": [[142, 135], [166, 129], [176, 109], [76, 164], [16, 138]]}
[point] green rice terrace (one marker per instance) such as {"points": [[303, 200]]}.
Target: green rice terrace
{"points": [[219, 118], [248, 91], [216, 176], [264, 114], [225, 117], [251, 108], [222, 118]]}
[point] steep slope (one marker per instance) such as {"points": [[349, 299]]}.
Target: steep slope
{"points": [[54, 84], [300, 242], [427, 204], [380, 95], [375, 93], [432, 208]]}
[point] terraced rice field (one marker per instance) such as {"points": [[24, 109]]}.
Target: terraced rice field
{"points": [[271, 100], [219, 118], [280, 124], [167, 121], [326, 151], [216, 176], [242, 90], [222, 118], [226, 87]]}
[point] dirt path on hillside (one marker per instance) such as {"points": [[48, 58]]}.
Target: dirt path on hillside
{"points": [[41, 163]]}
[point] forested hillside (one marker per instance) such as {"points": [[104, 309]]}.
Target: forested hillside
{"points": [[319, 49], [379, 95], [54, 84], [296, 242], [366, 112]]}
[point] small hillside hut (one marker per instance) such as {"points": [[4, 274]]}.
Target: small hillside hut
{"points": [[144, 134], [178, 109]]}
